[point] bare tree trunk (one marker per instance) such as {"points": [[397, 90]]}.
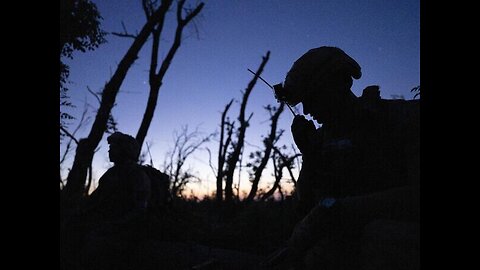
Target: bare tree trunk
{"points": [[233, 159], [239, 174], [269, 142], [222, 151], [278, 166], [89, 180], [289, 161], [282, 197], [86, 147], [278, 171], [155, 78]]}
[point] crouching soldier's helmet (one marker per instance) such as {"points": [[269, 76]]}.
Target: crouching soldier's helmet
{"points": [[317, 70]]}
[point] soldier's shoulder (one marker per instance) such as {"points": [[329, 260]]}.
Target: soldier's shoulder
{"points": [[403, 115], [402, 104], [405, 109], [137, 170]]}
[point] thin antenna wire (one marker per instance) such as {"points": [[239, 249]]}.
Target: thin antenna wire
{"points": [[269, 85]]}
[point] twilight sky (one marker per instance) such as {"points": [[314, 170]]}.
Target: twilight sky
{"points": [[233, 35]]}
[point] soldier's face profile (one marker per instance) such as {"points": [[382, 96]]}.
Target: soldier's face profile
{"points": [[114, 152], [324, 104], [314, 105]]}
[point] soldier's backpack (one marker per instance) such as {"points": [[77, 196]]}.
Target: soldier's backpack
{"points": [[160, 188]]}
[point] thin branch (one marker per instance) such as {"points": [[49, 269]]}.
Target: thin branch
{"points": [[124, 28], [147, 8], [192, 14], [277, 171], [80, 124], [94, 94], [123, 35], [185, 145], [68, 134], [210, 162], [125, 32], [288, 161], [192, 148], [149, 154], [249, 117], [111, 123]]}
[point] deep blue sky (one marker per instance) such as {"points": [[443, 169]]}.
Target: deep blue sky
{"points": [[209, 70]]}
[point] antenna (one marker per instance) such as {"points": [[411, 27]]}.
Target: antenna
{"points": [[269, 85]]}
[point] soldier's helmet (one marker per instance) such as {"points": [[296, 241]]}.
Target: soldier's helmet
{"points": [[315, 71], [129, 145]]}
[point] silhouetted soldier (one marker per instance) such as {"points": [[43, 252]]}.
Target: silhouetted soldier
{"points": [[114, 215], [360, 173]]}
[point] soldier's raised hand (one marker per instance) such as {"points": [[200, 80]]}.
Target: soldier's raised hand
{"points": [[303, 132]]}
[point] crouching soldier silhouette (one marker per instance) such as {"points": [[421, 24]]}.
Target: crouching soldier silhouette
{"points": [[114, 216], [359, 181]]}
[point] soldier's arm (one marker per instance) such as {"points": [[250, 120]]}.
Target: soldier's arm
{"points": [[304, 134], [308, 139], [353, 213], [401, 203], [304, 187]]}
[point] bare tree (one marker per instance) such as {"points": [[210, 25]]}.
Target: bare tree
{"points": [[225, 126], [111, 122], [234, 156], [185, 144], [72, 138], [280, 161], [86, 147], [268, 142], [71, 135], [155, 78], [290, 161], [83, 120], [65, 132]]}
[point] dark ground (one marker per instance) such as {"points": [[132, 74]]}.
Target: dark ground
{"points": [[199, 235]]}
